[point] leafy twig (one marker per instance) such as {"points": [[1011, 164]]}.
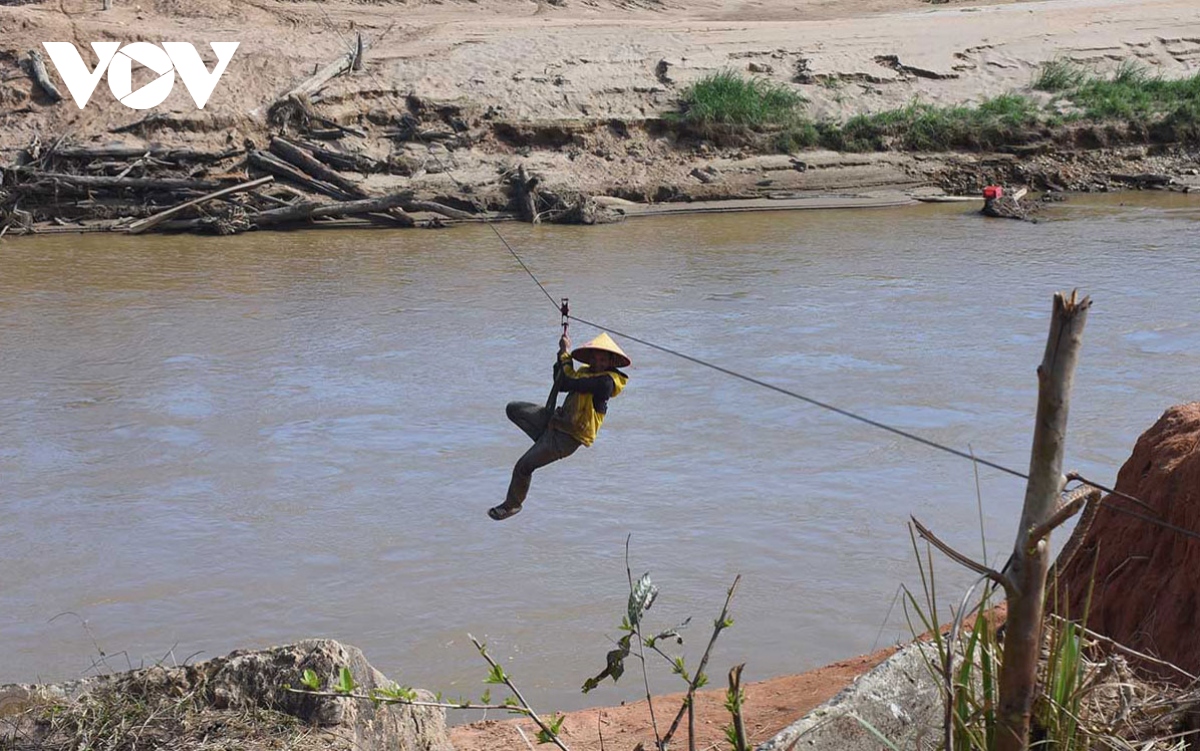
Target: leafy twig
{"points": [[641, 597], [375, 695], [733, 702], [723, 622], [549, 731]]}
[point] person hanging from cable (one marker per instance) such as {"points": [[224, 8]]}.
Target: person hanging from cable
{"points": [[558, 431]]}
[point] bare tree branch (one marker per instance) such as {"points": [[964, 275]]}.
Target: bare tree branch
{"points": [[1071, 505], [958, 557], [1031, 555]]}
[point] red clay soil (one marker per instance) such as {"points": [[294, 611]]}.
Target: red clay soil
{"points": [[769, 707], [1146, 593]]}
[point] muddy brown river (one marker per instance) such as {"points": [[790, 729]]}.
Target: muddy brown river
{"points": [[209, 444]]}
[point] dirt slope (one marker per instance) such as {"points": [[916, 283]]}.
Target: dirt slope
{"points": [[769, 707], [589, 59]]}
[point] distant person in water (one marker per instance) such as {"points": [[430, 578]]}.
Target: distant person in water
{"points": [[556, 433]]}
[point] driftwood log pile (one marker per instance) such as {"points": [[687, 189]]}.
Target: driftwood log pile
{"points": [[140, 189], [306, 174], [293, 182]]}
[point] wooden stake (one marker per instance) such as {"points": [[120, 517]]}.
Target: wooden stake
{"points": [[311, 85], [343, 128], [88, 153], [1031, 558], [341, 160]]}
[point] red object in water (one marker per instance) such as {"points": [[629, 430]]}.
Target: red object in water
{"points": [[993, 191]]}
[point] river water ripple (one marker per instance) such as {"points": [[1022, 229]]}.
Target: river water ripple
{"points": [[209, 444]]}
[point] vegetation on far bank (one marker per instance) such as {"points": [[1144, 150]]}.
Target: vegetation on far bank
{"points": [[727, 98], [727, 106]]}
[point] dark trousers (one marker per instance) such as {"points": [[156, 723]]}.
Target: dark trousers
{"points": [[549, 445]]}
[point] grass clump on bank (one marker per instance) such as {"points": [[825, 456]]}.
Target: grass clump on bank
{"points": [[924, 127], [1086, 694], [1167, 109], [1134, 94], [1058, 75], [728, 100], [141, 712], [727, 105]]}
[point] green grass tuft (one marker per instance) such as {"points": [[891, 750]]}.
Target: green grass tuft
{"points": [[1131, 73], [730, 105], [801, 135], [1133, 94], [730, 99], [1059, 75], [925, 127]]}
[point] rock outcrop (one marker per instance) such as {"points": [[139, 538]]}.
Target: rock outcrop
{"points": [[1146, 593], [244, 695], [899, 699], [1007, 207]]}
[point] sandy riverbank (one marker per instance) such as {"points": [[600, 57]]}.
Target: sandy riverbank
{"points": [[575, 90]]}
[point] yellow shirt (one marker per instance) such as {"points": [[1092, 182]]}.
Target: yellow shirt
{"points": [[582, 412]]}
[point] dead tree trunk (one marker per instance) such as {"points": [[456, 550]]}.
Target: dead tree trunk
{"points": [[342, 160], [437, 208], [1031, 555], [311, 85], [37, 69], [309, 210], [309, 164], [270, 163], [88, 153], [343, 63], [51, 181], [306, 211], [150, 222], [526, 190]]}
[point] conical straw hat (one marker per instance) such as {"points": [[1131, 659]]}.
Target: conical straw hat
{"points": [[602, 343]]}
